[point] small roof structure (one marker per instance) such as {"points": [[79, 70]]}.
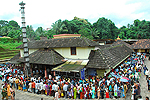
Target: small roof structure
{"points": [[108, 57], [105, 46], [66, 35], [120, 42], [141, 44], [61, 42], [71, 66], [49, 57], [68, 68]]}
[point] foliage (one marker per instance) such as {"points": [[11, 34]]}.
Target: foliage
{"points": [[138, 30], [9, 45], [103, 28], [8, 40], [30, 32], [75, 26]]}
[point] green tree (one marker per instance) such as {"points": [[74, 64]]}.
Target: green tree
{"points": [[13, 24], [137, 30], [57, 27], [30, 32], [106, 29], [3, 23], [50, 33], [5, 30], [40, 32]]}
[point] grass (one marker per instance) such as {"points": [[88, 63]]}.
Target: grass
{"points": [[8, 50], [8, 55], [10, 46]]}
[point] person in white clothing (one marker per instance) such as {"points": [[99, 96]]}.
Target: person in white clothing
{"points": [[108, 81], [40, 87], [36, 87], [56, 96], [30, 87], [56, 92], [56, 87], [115, 90], [147, 73]]}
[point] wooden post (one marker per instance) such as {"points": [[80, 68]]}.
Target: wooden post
{"points": [[45, 72]]}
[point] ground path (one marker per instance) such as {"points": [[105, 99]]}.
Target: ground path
{"points": [[143, 82], [20, 95]]}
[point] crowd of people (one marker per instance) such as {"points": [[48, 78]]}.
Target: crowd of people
{"points": [[115, 84]]}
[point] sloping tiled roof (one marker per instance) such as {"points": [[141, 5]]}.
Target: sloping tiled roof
{"points": [[108, 57], [61, 42], [49, 57], [15, 58], [69, 68], [105, 46], [141, 44], [120, 42]]}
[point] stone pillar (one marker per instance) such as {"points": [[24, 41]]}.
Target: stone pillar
{"points": [[25, 45]]}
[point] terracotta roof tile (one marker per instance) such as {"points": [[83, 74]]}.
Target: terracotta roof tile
{"points": [[119, 42], [49, 57], [108, 57], [141, 44], [61, 42]]}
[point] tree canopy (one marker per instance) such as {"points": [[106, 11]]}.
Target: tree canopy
{"points": [[103, 28]]}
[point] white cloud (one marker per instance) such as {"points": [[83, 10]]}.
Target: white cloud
{"points": [[46, 12]]}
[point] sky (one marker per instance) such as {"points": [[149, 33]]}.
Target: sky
{"points": [[43, 13]]}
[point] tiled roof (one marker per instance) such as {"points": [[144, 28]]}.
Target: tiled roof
{"points": [[119, 42], [61, 42], [69, 68], [49, 57], [105, 46], [141, 44], [15, 58], [108, 57]]}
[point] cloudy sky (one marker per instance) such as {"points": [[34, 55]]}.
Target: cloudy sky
{"points": [[45, 12]]}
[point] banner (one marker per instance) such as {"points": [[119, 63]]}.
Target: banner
{"points": [[82, 74]]}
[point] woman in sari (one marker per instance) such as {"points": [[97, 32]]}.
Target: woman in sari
{"points": [[85, 93], [75, 92], [72, 90], [8, 90], [61, 90], [24, 86], [88, 90], [81, 92], [93, 92], [107, 92], [12, 93], [98, 92], [50, 92], [46, 89], [19, 87], [122, 91], [125, 89]]}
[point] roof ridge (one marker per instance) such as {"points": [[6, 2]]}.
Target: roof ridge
{"points": [[85, 40], [113, 46]]}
